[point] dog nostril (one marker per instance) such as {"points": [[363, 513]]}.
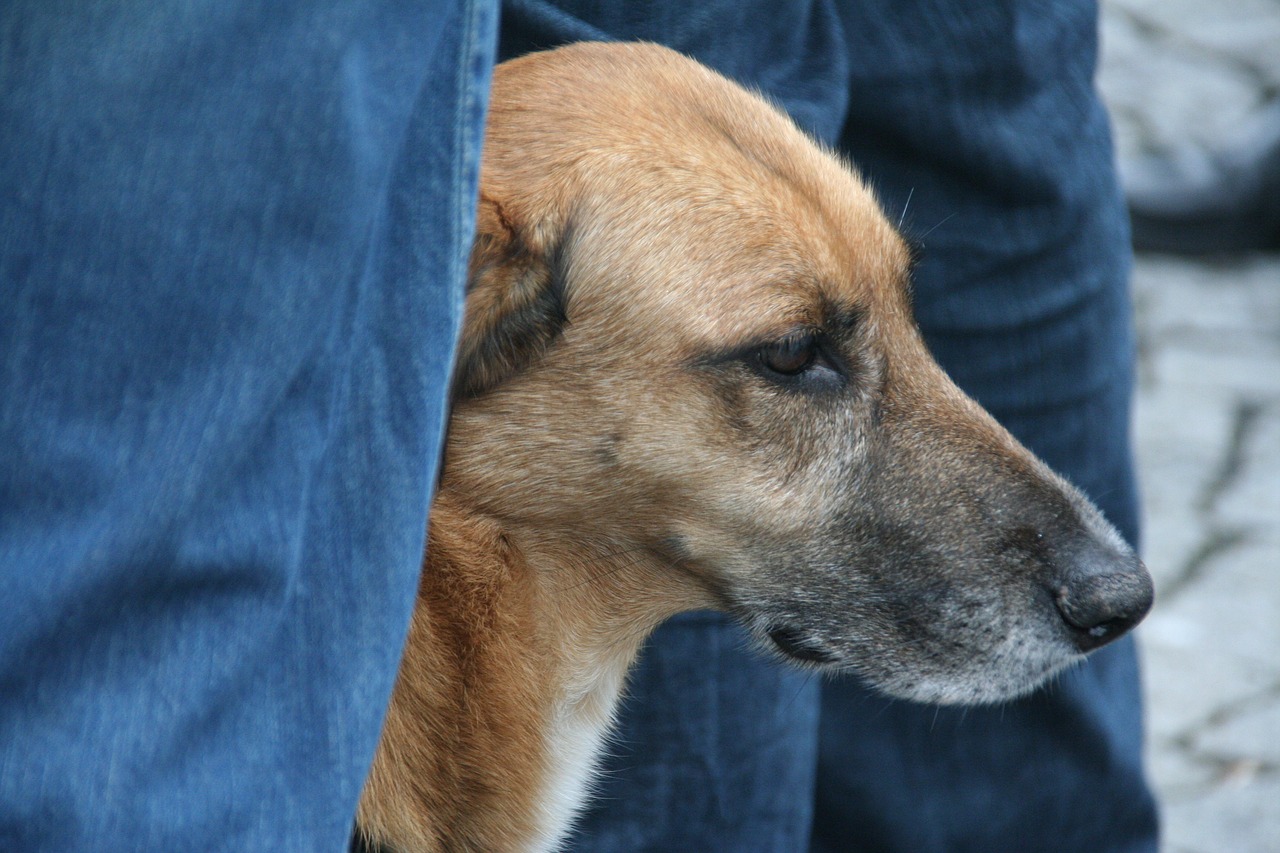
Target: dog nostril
{"points": [[1099, 608]]}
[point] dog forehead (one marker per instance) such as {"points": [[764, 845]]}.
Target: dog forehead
{"points": [[724, 254], [695, 302]]}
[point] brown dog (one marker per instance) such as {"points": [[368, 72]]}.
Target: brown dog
{"points": [[689, 378]]}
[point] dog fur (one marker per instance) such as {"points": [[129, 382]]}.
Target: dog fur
{"points": [[689, 378]]}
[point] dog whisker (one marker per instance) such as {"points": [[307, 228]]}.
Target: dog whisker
{"points": [[638, 633], [905, 205], [808, 678], [599, 576], [944, 221]]}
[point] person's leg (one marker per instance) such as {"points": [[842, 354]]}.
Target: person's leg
{"points": [[232, 244], [716, 743], [981, 122]]}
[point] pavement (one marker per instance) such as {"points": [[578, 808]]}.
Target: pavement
{"points": [[1207, 426]]}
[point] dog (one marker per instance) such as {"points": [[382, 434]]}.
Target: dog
{"points": [[689, 378]]}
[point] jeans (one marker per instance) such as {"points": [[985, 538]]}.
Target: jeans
{"points": [[979, 127], [233, 239]]}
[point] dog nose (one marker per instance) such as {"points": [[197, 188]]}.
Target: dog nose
{"points": [[1103, 595]]}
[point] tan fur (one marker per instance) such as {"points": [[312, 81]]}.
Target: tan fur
{"points": [[472, 681], [503, 639], [617, 453]]}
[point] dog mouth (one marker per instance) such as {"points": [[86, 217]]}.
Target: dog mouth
{"points": [[794, 643]]}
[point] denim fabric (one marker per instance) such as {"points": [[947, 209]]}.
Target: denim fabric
{"points": [[980, 129], [232, 242]]}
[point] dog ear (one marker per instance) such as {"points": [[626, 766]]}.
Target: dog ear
{"points": [[515, 303]]}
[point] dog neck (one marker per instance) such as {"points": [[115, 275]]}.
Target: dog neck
{"points": [[518, 652], [598, 602]]}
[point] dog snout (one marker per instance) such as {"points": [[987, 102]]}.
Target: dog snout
{"points": [[1101, 594]]}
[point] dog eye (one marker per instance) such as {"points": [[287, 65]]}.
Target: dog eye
{"points": [[790, 356]]}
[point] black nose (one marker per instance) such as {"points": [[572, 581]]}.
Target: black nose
{"points": [[1102, 595]]}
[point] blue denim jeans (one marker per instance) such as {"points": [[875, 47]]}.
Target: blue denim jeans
{"points": [[233, 238], [979, 126]]}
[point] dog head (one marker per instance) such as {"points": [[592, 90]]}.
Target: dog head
{"points": [[688, 334]]}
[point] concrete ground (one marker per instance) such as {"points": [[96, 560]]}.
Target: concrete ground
{"points": [[1196, 72]]}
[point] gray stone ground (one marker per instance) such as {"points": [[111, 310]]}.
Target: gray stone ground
{"points": [[1208, 435]]}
